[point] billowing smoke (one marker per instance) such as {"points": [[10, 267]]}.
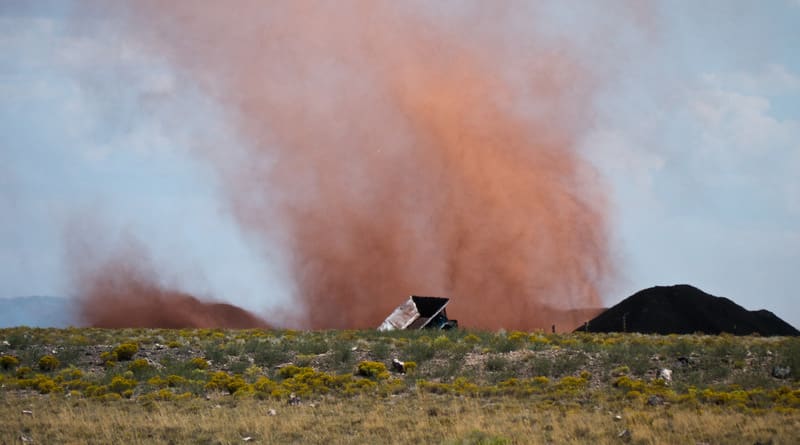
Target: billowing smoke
{"points": [[395, 149]]}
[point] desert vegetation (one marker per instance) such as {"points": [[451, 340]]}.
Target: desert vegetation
{"points": [[461, 386]]}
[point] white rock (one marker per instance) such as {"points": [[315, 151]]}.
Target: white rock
{"points": [[271, 412]]}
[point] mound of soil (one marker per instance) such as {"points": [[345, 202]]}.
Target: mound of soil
{"points": [[684, 309]]}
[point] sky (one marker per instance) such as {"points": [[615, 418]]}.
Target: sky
{"points": [[696, 134]]}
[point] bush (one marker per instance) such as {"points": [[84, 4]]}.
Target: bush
{"points": [[264, 385], [139, 366], [125, 351], [496, 363], [44, 385], [198, 363], [120, 384], [48, 363], [441, 343], [8, 362], [571, 384], [472, 339], [372, 370], [620, 371], [290, 371], [221, 380], [420, 350]]}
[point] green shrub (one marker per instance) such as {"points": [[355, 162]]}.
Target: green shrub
{"points": [[620, 371], [471, 339], [538, 341], [198, 363], [108, 397], [633, 395], [45, 385], [71, 373], [420, 350], [380, 350], [372, 370], [139, 366], [496, 363], [264, 385], [158, 381], [120, 384], [517, 336], [629, 384], [176, 381], [312, 346], [48, 363], [8, 362], [503, 344], [125, 351], [571, 384], [236, 384], [219, 381], [343, 356], [289, 371], [541, 381], [253, 372], [442, 343]]}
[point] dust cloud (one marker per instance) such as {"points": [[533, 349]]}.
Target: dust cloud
{"points": [[122, 289], [393, 148]]}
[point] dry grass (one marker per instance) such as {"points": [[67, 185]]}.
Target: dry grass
{"points": [[470, 387], [419, 418]]}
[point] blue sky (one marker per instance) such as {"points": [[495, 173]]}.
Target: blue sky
{"points": [[697, 136]]}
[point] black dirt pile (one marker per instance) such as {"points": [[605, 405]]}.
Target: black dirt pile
{"points": [[684, 309]]}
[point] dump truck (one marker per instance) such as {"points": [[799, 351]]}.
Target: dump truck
{"points": [[419, 312]]}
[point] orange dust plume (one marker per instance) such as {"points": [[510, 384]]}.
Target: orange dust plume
{"points": [[397, 148], [123, 291]]}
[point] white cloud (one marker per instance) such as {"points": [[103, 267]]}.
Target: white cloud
{"points": [[744, 148], [736, 124], [772, 79]]}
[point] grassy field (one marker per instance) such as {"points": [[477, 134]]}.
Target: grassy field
{"points": [[215, 386]]}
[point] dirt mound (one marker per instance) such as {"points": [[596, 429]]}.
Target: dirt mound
{"points": [[684, 309]]}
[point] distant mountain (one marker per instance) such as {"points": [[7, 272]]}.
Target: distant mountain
{"points": [[36, 311], [684, 309]]}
